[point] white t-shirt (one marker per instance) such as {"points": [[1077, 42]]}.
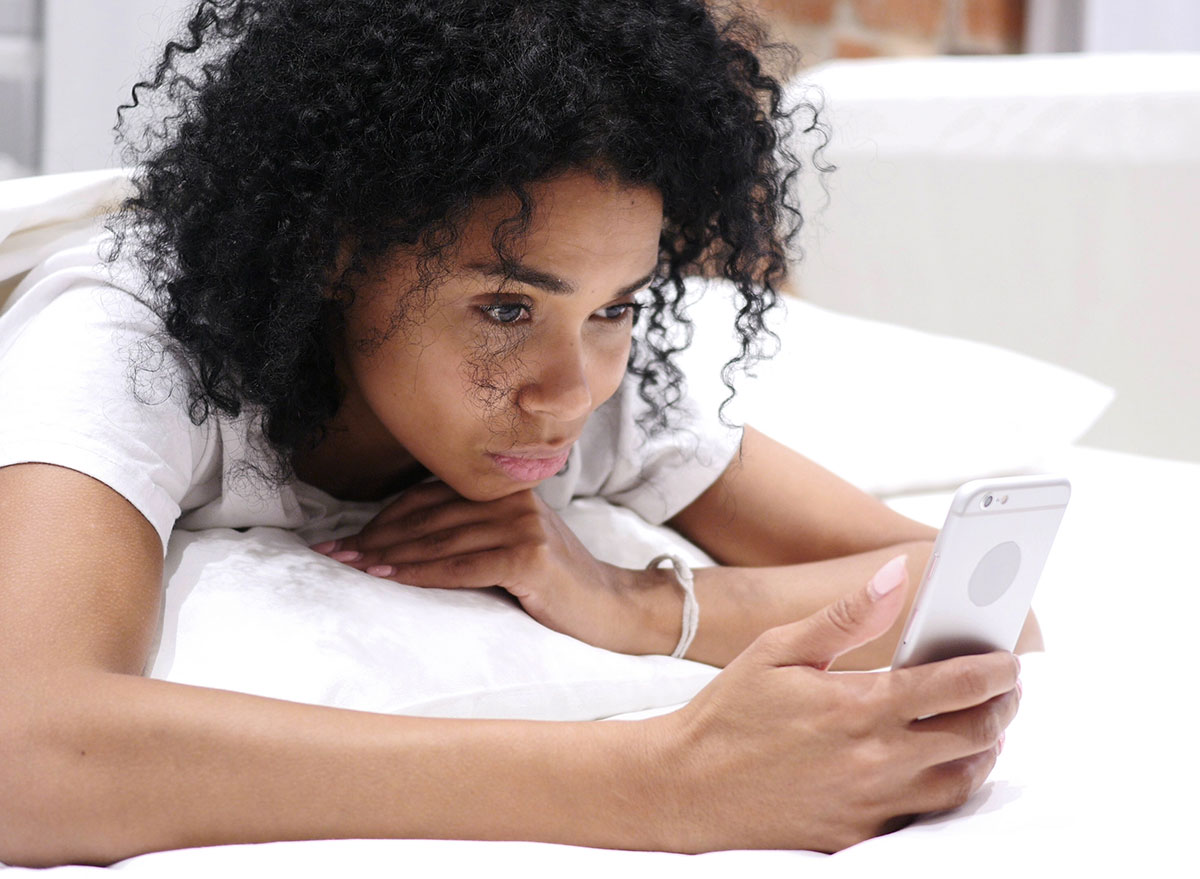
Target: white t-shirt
{"points": [[84, 385]]}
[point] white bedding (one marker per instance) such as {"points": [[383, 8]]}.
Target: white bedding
{"points": [[1099, 768]]}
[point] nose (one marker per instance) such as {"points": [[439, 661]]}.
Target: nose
{"points": [[558, 385]]}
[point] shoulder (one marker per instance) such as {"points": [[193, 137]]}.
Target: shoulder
{"points": [[89, 385], [77, 332]]}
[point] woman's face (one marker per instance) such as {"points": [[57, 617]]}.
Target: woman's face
{"points": [[487, 382]]}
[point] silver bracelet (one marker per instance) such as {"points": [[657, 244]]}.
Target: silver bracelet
{"points": [[691, 607]]}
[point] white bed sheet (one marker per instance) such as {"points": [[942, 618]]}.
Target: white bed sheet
{"points": [[1099, 768]]}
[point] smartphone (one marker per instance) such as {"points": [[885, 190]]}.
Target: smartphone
{"points": [[986, 562]]}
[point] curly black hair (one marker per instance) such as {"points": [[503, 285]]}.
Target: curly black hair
{"points": [[278, 129]]}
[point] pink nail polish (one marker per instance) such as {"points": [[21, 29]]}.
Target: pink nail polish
{"points": [[889, 577], [346, 555], [1000, 744], [324, 547], [380, 570]]}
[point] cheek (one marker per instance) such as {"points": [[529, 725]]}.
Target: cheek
{"points": [[417, 368], [490, 363], [607, 366]]}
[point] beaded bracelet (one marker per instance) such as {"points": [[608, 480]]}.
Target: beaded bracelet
{"points": [[691, 607]]}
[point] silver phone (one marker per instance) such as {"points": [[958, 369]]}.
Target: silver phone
{"points": [[986, 562]]}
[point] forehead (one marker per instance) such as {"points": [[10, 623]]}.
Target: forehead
{"points": [[578, 223]]}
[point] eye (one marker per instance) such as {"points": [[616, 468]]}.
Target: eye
{"points": [[620, 311], [505, 312]]}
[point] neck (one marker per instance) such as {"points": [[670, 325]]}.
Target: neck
{"points": [[338, 468], [358, 459]]}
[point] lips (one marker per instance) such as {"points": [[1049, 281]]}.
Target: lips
{"points": [[532, 466]]}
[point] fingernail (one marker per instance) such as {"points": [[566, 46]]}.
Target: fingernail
{"points": [[324, 547], [381, 570], [1019, 689], [889, 577], [346, 555], [1000, 744]]}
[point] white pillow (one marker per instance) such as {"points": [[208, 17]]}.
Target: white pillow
{"points": [[259, 612], [891, 409]]}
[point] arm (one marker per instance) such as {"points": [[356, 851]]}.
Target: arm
{"points": [[175, 766], [791, 538], [101, 764], [773, 506]]}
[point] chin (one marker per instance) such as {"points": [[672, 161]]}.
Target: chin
{"points": [[482, 488]]}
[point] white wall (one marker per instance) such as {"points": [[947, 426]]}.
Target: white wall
{"points": [[1138, 26], [94, 51], [1112, 26]]}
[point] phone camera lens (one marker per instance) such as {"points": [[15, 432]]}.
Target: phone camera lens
{"points": [[987, 501]]}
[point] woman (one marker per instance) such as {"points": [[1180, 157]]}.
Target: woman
{"points": [[394, 251]]}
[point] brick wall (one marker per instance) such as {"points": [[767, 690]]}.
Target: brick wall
{"points": [[824, 29]]}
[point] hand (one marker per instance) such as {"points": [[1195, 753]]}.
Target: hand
{"points": [[432, 536], [776, 753]]}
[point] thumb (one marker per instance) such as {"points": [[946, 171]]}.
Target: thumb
{"points": [[849, 622]]}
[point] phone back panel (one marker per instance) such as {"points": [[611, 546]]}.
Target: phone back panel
{"points": [[986, 562]]}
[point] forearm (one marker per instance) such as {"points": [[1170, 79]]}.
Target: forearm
{"points": [[738, 604], [117, 765]]}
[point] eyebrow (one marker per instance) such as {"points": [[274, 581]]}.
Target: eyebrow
{"points": [[532, 277]]}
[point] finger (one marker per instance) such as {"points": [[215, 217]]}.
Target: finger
{"points": [[950, 785], [954, 684], [418, 497], [947, 737], [849, 622], [422, 523], [472, 571], [419, 516], [413, 503], [463, 539]]}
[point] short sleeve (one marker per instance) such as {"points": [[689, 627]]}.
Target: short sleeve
{"points": [[657, 474], [84, 385]]}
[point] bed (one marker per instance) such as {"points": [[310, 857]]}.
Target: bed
{"points": [[1098, 768]]}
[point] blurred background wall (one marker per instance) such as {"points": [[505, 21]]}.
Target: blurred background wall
{"points": [[825, 29]]}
